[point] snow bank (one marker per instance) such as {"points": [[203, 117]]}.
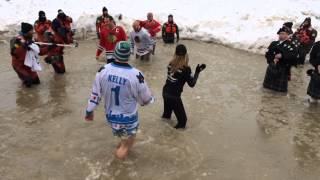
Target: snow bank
{"points": [[248, 24]]}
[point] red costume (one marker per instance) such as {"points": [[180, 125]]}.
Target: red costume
{"points": [[153, 27], [63, 34], [40, 28], [19, 47], [109, 39]]}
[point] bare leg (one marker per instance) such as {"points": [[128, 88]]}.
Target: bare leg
{"points": [[125, 147]]}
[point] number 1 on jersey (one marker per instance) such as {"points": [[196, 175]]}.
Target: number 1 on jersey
{"points": [[116, 91]]}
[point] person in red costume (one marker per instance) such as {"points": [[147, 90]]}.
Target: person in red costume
{"points": [[153, 28], [41, 26], [307, 36], [19, 46], [109, 37], [62, 34], [101, 21]]}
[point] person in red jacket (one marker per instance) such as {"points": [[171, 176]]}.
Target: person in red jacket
{"points": [[153, 28], [62, 34], [109, 37], [307, 36], [102, 30], [101, 21], [61, 26], [169, 29], [41, 26], [19, 46]]}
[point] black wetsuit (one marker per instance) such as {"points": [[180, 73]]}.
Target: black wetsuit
{"points": [[172, 93]]}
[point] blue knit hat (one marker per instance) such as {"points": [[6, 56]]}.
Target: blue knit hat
{"points": [[122, 51]]}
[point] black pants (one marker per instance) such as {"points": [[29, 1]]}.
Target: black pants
{"points": [[175, 104], [168, 39], [303, 51]]}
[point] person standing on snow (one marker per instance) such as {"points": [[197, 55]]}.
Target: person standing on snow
{"points": [[141, 39], [122, 87], [306, 35], [169, 29], [20, 46], [153, 28], [41, 26], [281, 55], [109, 37], [179, 73]]}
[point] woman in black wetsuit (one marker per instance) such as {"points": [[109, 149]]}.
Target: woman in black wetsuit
{"points": [[179, 73]]}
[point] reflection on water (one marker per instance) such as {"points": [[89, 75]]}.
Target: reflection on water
{"points": [[58, 96], [273, 112], [307, 138], [236, 129]]}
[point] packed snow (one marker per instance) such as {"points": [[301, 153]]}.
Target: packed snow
{"points": [[248, 24]]}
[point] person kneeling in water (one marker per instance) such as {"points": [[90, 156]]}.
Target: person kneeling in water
{"points": [[179, 73]]}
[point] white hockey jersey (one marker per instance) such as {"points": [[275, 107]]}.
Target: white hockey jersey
{"points": [[145, 44], [122, 88]]}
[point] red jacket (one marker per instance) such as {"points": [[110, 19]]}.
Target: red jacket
{"points": [[101, 23], [307, 36], [40, 28], [19, 51], [153, 27], [109, 38], [62, 30]]}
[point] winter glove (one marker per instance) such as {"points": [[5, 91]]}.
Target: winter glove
{"points": [[200, 68], [48, 60], [27, 44], [310, 72]]}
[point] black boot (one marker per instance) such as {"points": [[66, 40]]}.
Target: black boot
{"points": [[179, 126]]}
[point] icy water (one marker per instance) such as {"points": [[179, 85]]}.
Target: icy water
{"points": [[236, 130]]}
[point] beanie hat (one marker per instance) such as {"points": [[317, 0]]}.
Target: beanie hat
{"points": [[104, 9], [308, 19], [288, 24], [42, 13], [60, 11], [26, 27], [170, 15], [181, 50], [122, 51]]}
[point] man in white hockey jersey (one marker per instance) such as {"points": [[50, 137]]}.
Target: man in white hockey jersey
{"points": [[122, 87], [141, 39]]}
